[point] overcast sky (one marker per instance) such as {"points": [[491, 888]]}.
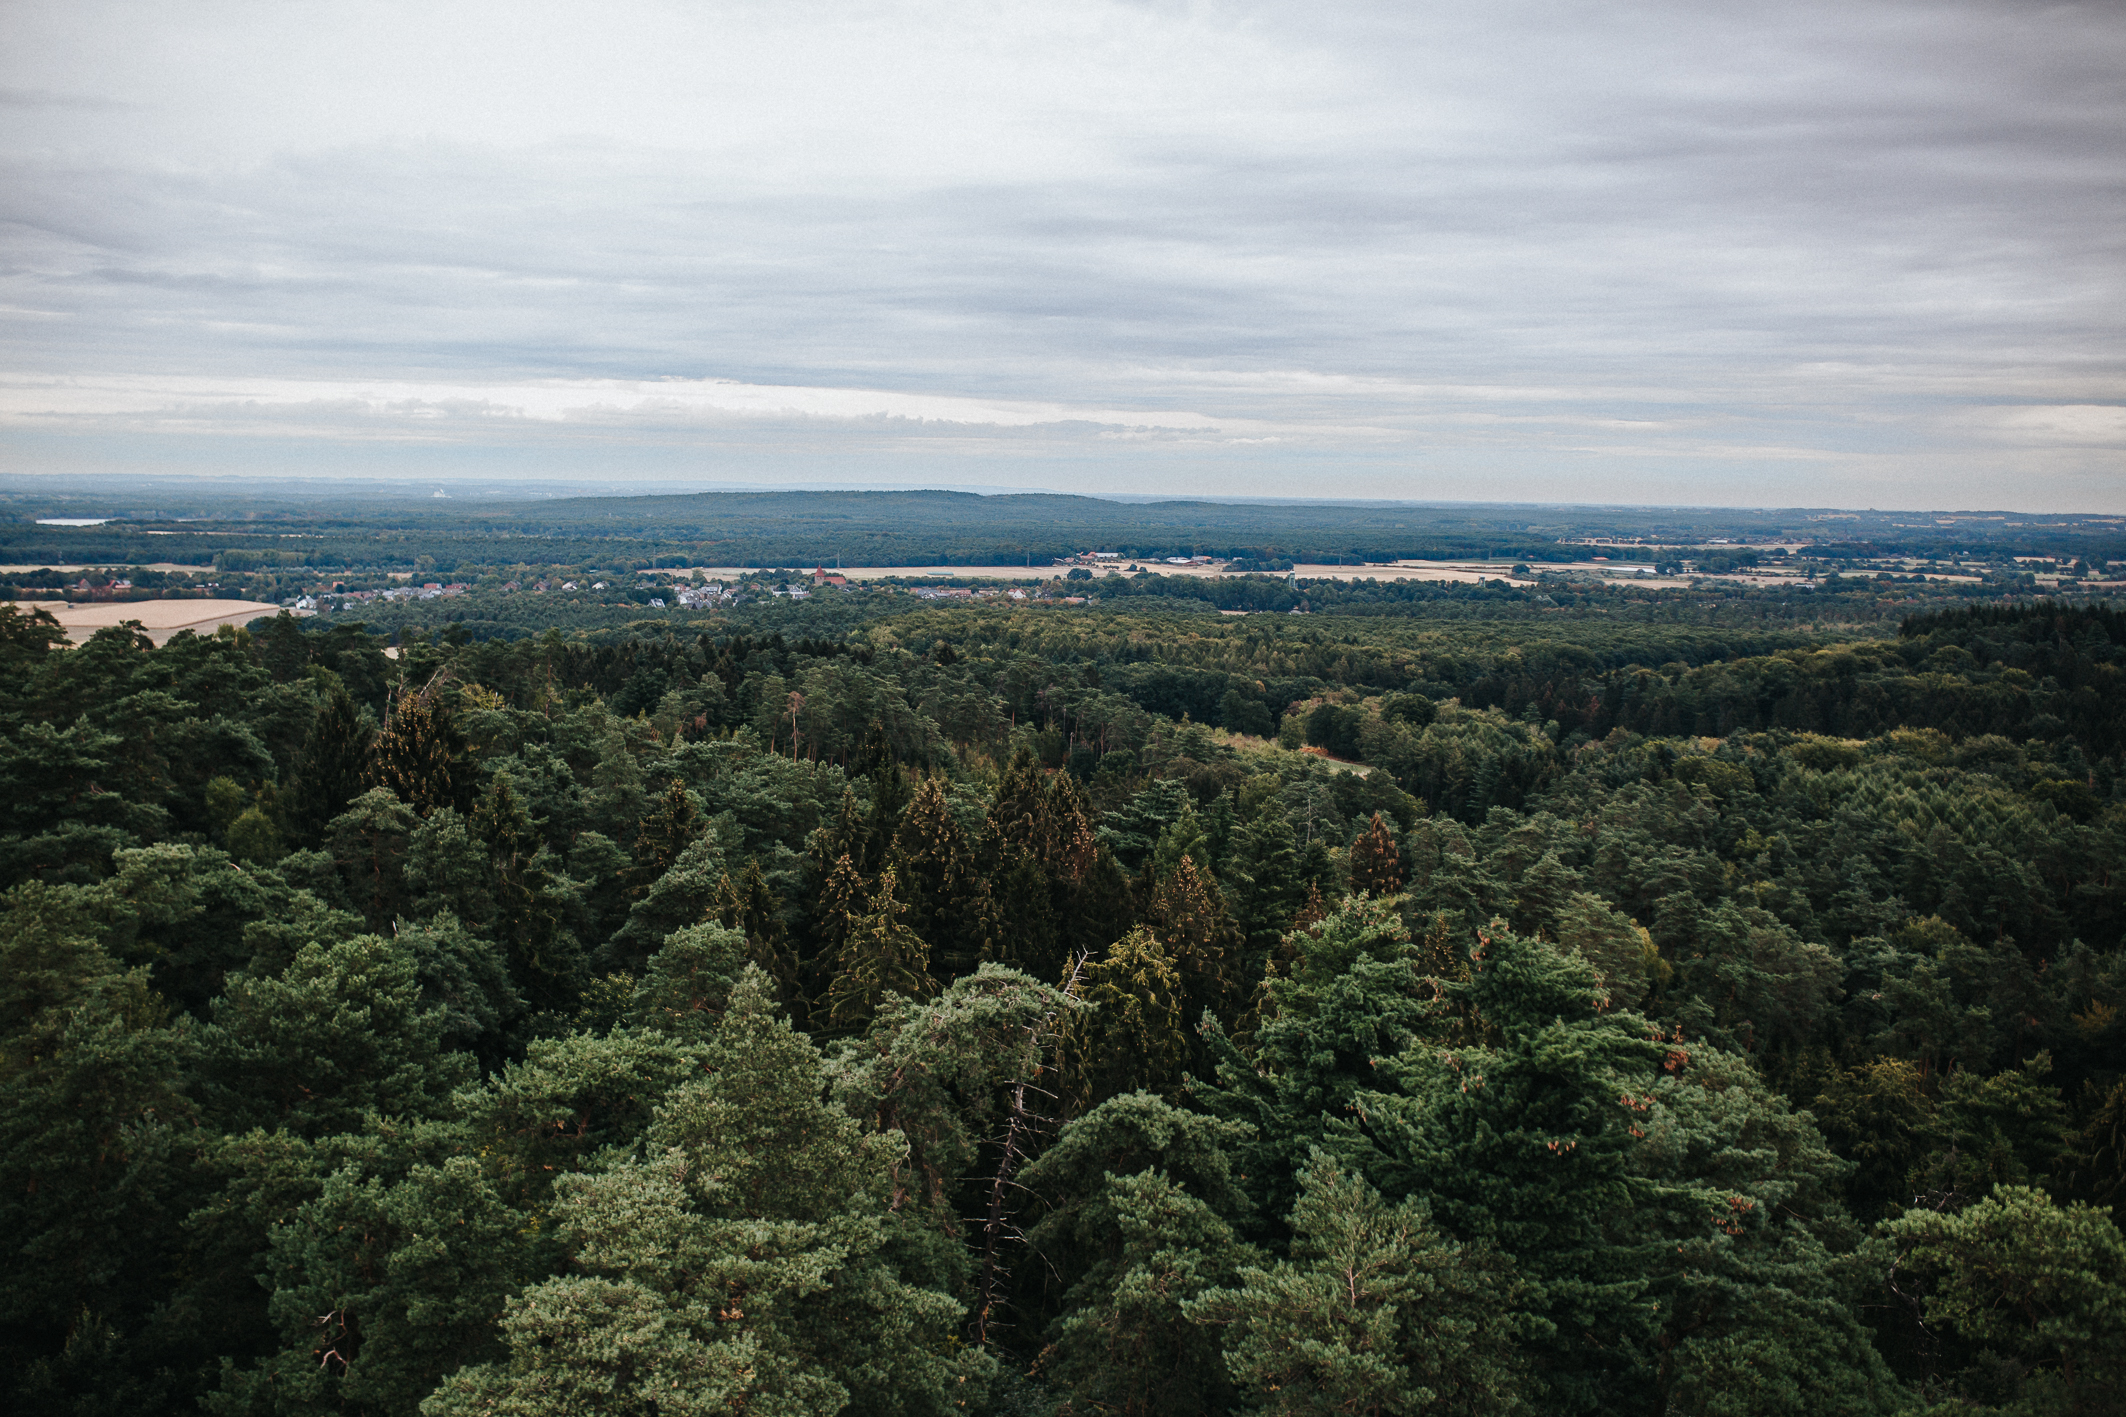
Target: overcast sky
{"points": [[1854, 253]]}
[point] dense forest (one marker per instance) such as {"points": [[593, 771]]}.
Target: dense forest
{"points": [[246, 525], [1474, 1003]]}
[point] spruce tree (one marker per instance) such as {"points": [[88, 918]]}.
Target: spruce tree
{"points": [[1044, 815], [1190, 920], [748, 906], [1183, 837], [531, 900], [1134, 1037], [1376, 861], [881, 956], [617, 800], [1263, 882], [421, 757], [667, 829], [330, 770], [948, 903], [1030, 933], [890, 796], [1039, 854], [837, 906], [847, 835]]}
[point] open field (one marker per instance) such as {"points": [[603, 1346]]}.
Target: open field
{"points": [[162, 619]]}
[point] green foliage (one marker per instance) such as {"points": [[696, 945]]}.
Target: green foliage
{"points": [[881, 958], [947, 900], [93, 1122], [1138, 1202], [330, 770], [1132, 1039], [2034, 1282], [684, 991], [1130, 1343], [344, 1031], [420, 755], [1376, 861], [1376, 1312], [740, 1261]]}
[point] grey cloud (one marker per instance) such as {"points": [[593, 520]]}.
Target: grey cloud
{"points": [[1718, 235]]}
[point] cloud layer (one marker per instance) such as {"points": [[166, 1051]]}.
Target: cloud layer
{"points": [[1858, 253]]}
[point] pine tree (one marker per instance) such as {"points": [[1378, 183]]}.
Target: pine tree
{"points": [[283, 648], [2097, 1153], [1376, 861], [2033, 1288], [96, 1133], [1620, 949], [1377, 1312], [343, 1031], [688, 983], [963, 1079], [881, 956], [1543, 894], [745, 1259], [1659, 1202], [1127, 1135], [368, 845], [1127, 1344]]}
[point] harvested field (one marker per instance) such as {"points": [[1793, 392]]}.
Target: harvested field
{"points": [[162, 619]]}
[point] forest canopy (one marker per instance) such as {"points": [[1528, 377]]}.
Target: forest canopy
{"points": [[1456, 1003]]}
